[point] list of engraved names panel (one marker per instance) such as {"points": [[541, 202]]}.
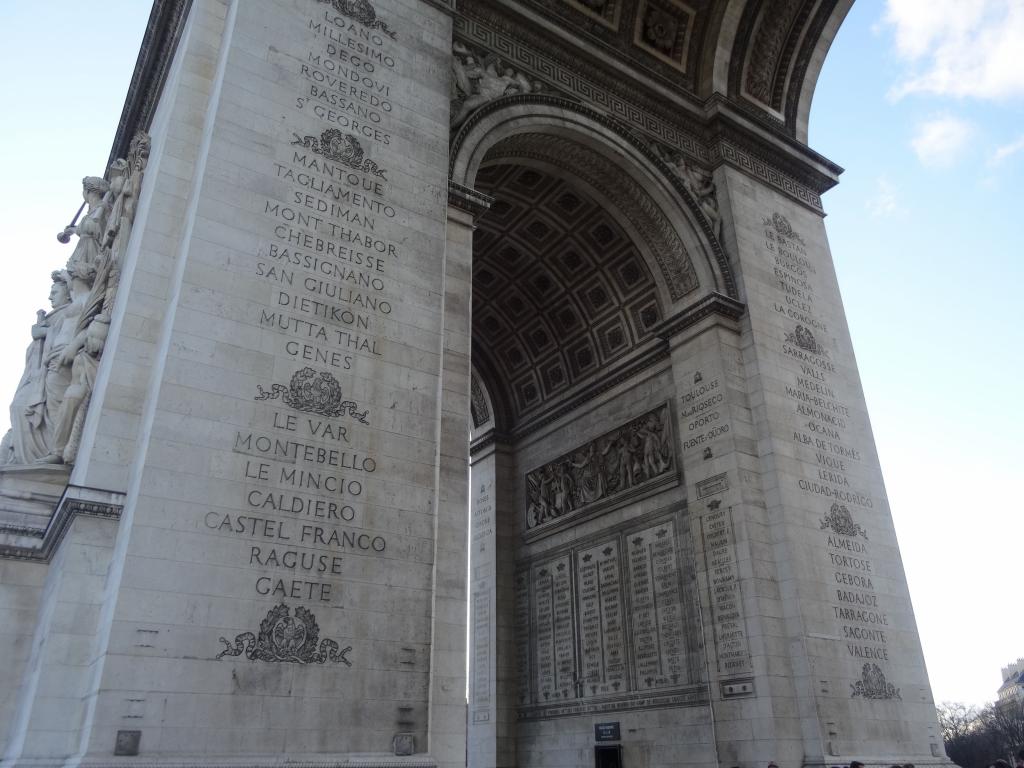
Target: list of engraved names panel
{"points": [[613, 624]]}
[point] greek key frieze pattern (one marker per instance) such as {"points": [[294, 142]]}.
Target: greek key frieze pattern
{"points": [[635, 116]]}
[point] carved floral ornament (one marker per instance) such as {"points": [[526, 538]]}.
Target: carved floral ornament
{"points": [[286, 638], [313, 392], [61, 363]]}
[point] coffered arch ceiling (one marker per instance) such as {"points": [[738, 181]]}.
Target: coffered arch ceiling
{"points": [[560, 290], [764, 55]]}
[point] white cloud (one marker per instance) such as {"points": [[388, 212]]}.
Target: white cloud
{"points": [[1006, 150], [940, 140], [884, 203], [959, 47]]}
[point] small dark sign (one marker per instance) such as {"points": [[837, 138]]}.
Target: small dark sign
{"points": [[606, 732]]}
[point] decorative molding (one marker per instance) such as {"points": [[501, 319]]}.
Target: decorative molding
{"points": [[163, 31], [713, 304], [492, 32], [491, 437], [728, 141], [468, 200], [67, 509], [775, 20], [691, 696], [803, 59], [608, 27], [10, 529]]}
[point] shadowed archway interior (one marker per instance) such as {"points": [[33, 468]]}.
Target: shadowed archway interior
{"points": [[559, 290]]}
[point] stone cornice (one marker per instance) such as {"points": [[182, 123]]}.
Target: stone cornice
{"points": [[75, 501], [806, 170], [163, 30], [468, 200], [713, 132], [718, 304], [445, 6]]}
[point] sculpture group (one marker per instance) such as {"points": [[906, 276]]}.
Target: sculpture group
{"points": [[49, 406], [628, 457]]}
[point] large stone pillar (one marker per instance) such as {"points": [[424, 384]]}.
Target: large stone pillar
{"points": [[834, 645], [283, 401], [748, 667], [494, 634]]}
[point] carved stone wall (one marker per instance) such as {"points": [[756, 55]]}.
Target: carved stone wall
{"points": [[605, 626]]}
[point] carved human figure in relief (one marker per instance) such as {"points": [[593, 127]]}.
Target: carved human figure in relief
{"points": [[623, 461], [591, 480], [92, 227], [699, 183], [125, 186], [567, 488], [30, 429], [655, 458], [67, 431], [476, 84]]}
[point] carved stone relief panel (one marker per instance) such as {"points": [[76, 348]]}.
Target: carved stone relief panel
{"points": [[603, 474]]}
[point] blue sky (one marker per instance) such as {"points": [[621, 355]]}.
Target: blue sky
{"points": [[921, 100], [923, 106]]}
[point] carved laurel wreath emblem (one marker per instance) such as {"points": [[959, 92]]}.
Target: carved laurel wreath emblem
{"points": [[840, 521], [340, 147], [781, 225], [873, 685], [803, 338], [287, 638], [314, 392], [361, 11]]}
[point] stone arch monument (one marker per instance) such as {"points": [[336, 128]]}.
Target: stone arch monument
{"points": [[390, 315]]}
